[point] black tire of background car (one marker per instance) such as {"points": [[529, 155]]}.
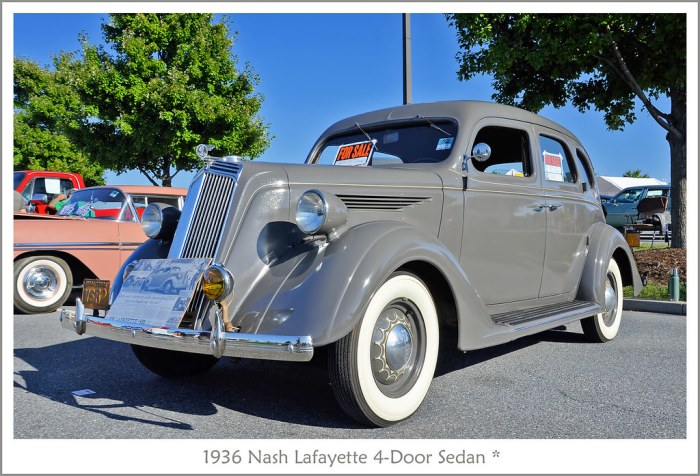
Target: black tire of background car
{"points": [[173, 364]]}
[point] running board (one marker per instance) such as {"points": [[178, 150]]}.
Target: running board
{"points": [[569, 311]]}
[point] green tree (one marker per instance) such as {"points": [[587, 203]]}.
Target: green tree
{"points": [[169, 83], [604, 61], [45, 112], [636, 173]]}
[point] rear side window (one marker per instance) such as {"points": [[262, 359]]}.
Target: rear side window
{"points": [[510, 152], [558, 165], [584, 167]]}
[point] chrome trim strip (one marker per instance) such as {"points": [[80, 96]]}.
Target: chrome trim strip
{"points": [[233, 344], [69, 245]]}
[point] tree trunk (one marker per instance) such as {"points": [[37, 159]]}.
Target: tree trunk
{"points": [[679, 169], [166, 179]]}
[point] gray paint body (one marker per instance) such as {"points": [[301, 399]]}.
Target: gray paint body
{"points": [[486, 241]]}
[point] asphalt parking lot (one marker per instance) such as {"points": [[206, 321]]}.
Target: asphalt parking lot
{"points": [[552, 385]]}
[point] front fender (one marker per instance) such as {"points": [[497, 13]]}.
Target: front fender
{"points": [[322, 289], [606, 243], [150, 249]]}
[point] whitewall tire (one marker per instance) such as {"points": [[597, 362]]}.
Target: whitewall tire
{"points": [[382, 370], [604, 326], [42, 284]]}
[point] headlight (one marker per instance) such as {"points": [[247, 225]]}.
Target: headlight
{"points": [[217, 282], [159, 221], [312, 210]]}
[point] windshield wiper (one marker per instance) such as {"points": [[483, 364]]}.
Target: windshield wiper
{"points": [[367, 136], [434, 126]]}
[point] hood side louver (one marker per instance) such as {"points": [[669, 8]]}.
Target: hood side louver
{"points": [[379, 202]]}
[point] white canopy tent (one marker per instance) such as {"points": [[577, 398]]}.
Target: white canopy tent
{"points": [[612, 185]]}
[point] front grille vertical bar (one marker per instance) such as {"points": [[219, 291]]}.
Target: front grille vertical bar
{"points": [[202, 226]]}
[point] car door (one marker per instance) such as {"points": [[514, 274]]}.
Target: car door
{"points": [[572, 210], [504, 222], [623, 204]]}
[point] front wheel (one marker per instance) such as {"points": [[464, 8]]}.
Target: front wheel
{"points": [[42, 284], [171, 363], [604, 326], [381, 371]]}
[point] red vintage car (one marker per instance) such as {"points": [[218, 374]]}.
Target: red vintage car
{"points": [[90, 237]]}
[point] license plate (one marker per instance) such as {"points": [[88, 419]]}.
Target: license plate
{"points": [[96, 294]]}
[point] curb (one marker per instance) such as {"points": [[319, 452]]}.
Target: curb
{"points": [[678, 308]]}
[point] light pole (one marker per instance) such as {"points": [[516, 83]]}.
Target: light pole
{"points": [[407, 86]]}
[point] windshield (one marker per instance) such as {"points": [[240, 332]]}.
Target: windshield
{"points": [[19, 176], [421, 141], [102, 203], [629, 196]]}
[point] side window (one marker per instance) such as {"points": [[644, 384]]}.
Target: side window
{"points": [[558, 166], [510, 152], [656, 192], [584, 167], [28, 191], [66, 185], [630, 195]]}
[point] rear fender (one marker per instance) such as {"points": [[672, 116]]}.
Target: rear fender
{"points": [[606, 243], [322, 289]]}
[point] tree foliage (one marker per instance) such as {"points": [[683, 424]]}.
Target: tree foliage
{"points": [[636, 173], [167, 83], [604, 61], [46, 111]]}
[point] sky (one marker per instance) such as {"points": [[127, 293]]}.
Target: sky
{"points": [[315, 69]]}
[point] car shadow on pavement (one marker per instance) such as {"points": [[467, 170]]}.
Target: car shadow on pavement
{"points": [[452, 359], [124, 390], [288, 392]]}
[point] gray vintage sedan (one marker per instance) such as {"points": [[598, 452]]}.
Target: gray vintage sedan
{"points": [[473, 216]]}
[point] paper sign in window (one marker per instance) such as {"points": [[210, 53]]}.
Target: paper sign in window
{"points": [[553, 169], [357, 153], [53, 185]]}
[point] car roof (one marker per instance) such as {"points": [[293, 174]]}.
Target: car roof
{"points": [[466, 112]]}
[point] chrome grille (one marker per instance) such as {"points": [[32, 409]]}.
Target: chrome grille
{"points": [[207, 206]]}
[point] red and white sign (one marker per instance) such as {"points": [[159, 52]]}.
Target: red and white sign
{"points": [[553, 166]]}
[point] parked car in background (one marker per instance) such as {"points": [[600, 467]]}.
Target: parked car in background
{"points": [[89, 238], [621, 209], [39, 187], [478, 217]]}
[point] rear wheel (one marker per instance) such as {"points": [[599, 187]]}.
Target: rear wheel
{"points": [[604, 326], [42, 284], [382, 370], [171, 363]]}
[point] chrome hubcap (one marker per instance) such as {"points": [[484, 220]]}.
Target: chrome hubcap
{"points": [[40, 283], [398, 348], [610, 300]]}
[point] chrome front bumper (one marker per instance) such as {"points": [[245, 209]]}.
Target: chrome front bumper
{"points": [[218, 343]]}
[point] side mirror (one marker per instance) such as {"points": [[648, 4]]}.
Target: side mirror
{"points": [[41, 198], [481, 153]]}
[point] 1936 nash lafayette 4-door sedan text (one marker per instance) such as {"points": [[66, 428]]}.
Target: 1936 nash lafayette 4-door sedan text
{"points": [[476, 216]]}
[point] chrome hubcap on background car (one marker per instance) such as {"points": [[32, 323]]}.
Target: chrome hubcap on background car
{"points": [[398, 348], [40, 282], [610, 300]]}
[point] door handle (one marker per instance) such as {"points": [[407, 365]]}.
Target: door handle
{"points": [[539, 208], [554, 206]]}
